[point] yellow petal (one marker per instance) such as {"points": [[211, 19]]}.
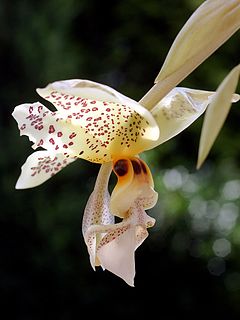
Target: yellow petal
{"points": [[135, 183], [178, 110], [121, 126], [207, 29], [216, 113]]}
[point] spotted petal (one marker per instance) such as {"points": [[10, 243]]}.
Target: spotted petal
{"points": [[85, 89], [97, 212], [178, 110], [39, 167], [122, 125], [58, 133], [116, 251], [113, 246]]}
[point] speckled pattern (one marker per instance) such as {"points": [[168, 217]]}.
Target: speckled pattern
{"points": [[108, 122], [106, 241]]}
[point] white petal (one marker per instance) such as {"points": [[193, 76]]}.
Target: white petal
{"points": [[39, 167], [118, 257], [142, 221], [46, 129], [59, 133], [97, 207], [207, 29], [216, 113], [97, 212], [113, 245], [116, 251], [178, 110], [84, 89]]}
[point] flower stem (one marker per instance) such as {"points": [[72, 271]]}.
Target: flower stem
{"points": [[155, 94]]}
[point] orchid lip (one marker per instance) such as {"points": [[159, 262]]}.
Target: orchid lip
{"points": [[112, 246], [134, 182]]}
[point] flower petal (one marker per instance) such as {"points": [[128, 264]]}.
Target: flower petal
{"points": [[213, 23], [110, 245], [116, 251], [97, 211], [58, 133], [123, 126], [134, 183], [39, 167], [178, 110], [118, 256], [216, 113], [85, 89]]}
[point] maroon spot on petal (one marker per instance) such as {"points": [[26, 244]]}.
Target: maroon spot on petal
{"points": [[23, 127], [51, 140], [72, 135], [51, 129], [40, 143], [59, 134], [65, 146], [40, 109]]}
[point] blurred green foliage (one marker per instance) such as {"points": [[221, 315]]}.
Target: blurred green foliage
{"points": [[189, 266]]}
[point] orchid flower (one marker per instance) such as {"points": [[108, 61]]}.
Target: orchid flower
{"points": [[94, 122]]}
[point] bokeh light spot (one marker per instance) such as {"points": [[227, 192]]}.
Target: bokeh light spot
{"points": [[221, 247]]}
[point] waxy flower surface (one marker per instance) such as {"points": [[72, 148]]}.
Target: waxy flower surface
{"points": [[94, 122]]}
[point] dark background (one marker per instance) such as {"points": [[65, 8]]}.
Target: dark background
{"points": [[189, 267]]}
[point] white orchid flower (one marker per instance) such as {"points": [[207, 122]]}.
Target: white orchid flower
{"points": [[95, 122]]}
